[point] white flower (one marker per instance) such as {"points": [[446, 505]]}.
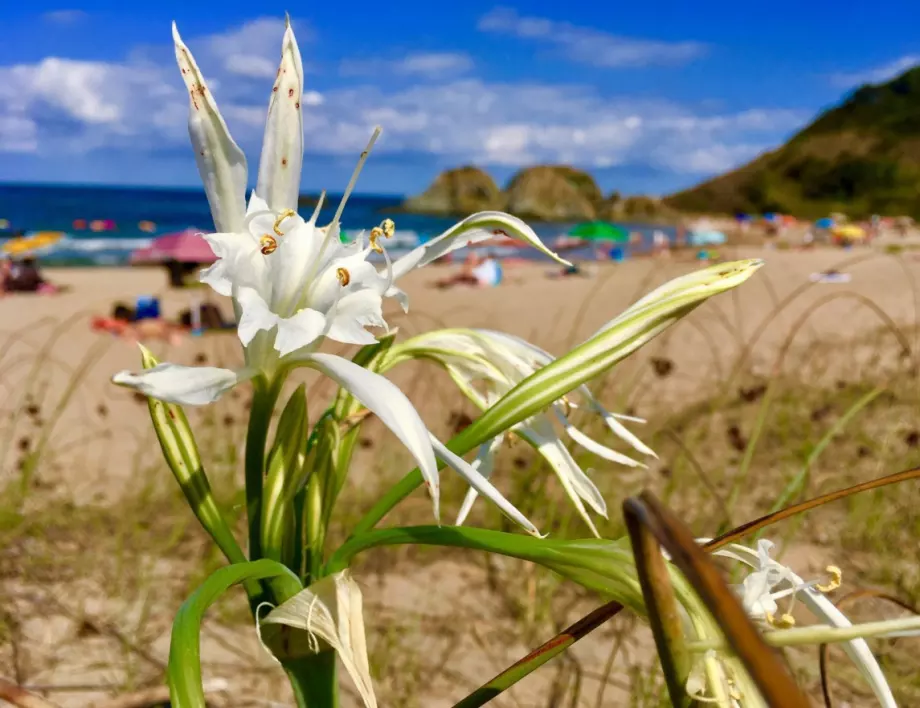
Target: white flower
{"points": [[294, 283], [770, 581], [330, 613], [485, 365]]}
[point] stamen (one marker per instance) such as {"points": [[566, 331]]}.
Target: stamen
{"points": [[319, 205], [286, 214], [567, 406], [268, 244], [376, 233], [835, 581], [354, 176], [389, 228], [343, 275]]}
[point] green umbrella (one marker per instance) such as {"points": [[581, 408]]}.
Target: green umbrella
{"points": [[600, 231]]}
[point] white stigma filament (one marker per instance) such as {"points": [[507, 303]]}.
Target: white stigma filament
{"points": [[354, 177]]}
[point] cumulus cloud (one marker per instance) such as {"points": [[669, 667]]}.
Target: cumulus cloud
{"points": [[586, 45], [876, 75], [420, 64], [62, 106]]}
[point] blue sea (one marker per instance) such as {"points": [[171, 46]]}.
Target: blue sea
{"points": [[122, 211]]}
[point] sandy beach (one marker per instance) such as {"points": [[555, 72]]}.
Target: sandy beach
{"points": [[553, 313], [98, 446]]}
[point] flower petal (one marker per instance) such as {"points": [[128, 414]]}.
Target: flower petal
{"points": [[390, 405], [482, 485], [298, 331], [221, 163], [331, 609], [282, 146], [621, 431], [185, 385], [473, 229], [591, 445], [578, 486], [255, 315], [352, 314], [484, 464]]}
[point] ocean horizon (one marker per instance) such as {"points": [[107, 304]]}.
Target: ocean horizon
{"points": [[103, 224]]}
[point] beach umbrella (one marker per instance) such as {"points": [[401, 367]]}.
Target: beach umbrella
{"points": [[31, 243], [188, 246], [600, 231], [825, 223]]}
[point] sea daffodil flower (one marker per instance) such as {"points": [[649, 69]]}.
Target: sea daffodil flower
{"points": [[485, 365], [294, 283], [770, 581]]}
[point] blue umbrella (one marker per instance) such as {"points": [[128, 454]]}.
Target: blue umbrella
{"points": [[825, 223]]}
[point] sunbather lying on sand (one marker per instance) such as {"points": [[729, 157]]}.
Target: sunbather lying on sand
{"points": [[122, 324], [23, 277]]}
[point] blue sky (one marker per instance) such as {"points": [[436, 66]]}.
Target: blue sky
{"points": [[650, 97]]}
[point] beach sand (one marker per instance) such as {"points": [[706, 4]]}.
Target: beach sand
{"points": [[99, 443], [553, 313]]}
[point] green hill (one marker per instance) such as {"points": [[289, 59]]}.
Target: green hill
{"points": [[860, 158]]}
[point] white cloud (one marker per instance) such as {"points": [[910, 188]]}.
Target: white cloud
{"points": [[876, 75], [423, 64], [64, 17], [585, 45], [62, 106]]}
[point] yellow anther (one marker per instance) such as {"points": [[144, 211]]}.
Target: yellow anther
{"points": [[343, 275], [376, 233], [567, 406], [286, 214], [835, 581], [267, 244], [388, 227], [784, 621]]}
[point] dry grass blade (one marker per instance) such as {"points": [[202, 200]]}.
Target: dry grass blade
{"points": [[587, 624], [763, 664], [751, 526], [849, 599], [20, 697], [658, 593]]}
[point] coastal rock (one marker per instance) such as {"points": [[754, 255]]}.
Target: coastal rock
{"points": [[459, 191], [637, 208], [554, 193]]}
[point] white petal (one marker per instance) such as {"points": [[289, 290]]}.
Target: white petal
{"points": [[185, 385], [473, 229], [292, 262], [331, 609], [221, 163], [352, 314], [484, 464], [223, 273], [282, 147], [578, 486], [592, 445], [298, 331], [390, 405], [857, 649], [255, 316], [620, 430], [482, 485]]}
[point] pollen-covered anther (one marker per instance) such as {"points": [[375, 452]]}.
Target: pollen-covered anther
{"points": [[835, 580], [267, 244], [784, 621], [376, 233], [286, 214], [388, 227], [343, 275]]}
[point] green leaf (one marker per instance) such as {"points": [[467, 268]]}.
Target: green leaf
{"points": [[182, 457], [619, 338], [285, 476], [183, 672]]}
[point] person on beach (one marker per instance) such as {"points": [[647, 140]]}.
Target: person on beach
{"points": [[476, 271], [25, 277]]}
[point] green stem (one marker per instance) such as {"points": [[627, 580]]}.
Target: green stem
{"points": [[260, 418], [313, 680]]}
